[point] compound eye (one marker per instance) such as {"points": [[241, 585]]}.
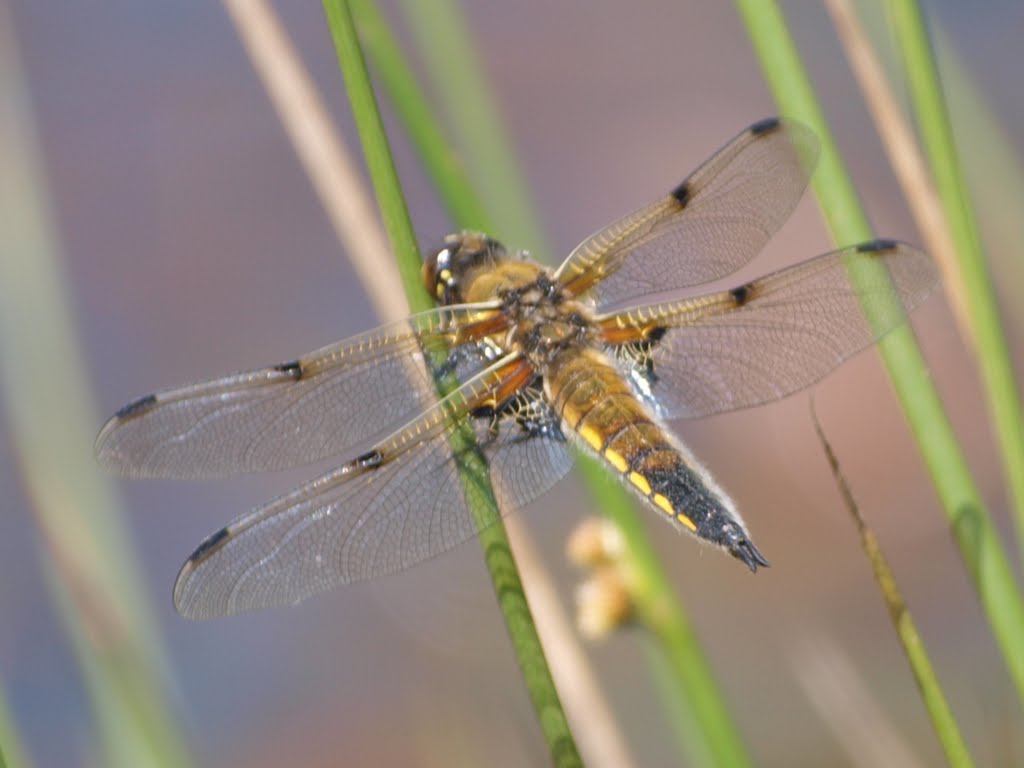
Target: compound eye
{"points": [[461, 254], [437, 273]]}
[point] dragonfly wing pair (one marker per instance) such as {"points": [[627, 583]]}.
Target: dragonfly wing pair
{"points": [[412, 496], [771, 337]]}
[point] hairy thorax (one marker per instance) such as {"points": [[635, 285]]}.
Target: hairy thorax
{"points": [[544, 319]]}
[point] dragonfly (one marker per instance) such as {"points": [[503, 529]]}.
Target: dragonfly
{"points": [[595, 355]]}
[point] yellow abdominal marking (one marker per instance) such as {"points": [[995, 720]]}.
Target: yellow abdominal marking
{"points": [[686, 521], [593, 438], [664, 503], [640, 482], [616, 460]]}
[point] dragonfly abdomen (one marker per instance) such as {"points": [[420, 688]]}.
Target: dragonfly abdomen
{"points": [[596, 403]]}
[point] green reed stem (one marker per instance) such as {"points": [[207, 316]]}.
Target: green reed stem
{"points": [[12, 753], [975, 534], [943, 720], [982, 307], [498, 555]]}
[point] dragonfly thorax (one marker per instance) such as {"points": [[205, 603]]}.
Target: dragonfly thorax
{"points": [[544, 321]]}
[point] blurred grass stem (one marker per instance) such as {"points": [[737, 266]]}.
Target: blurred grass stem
{"points": [[977, 537], [972, 277], [86, 554]]}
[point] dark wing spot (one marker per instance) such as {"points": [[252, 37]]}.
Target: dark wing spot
{"points": [[682, 193], [136, 407], [741, 294], [208, 547], [878, 246], [485, 412], [768, 125], [293, 369], [370, 460], [656, 334]]}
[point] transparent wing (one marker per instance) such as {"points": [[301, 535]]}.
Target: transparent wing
{"points": [[709, 226], [398, 504], [771, 337], [298, 412]]}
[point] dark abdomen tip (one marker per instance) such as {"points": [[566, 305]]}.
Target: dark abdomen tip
{"points": [[745, 551]]}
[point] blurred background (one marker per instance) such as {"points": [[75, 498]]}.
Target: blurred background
{"points": [[193, 245]]}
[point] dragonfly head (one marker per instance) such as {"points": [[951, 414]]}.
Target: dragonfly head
{"points": [[446, 269]]}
